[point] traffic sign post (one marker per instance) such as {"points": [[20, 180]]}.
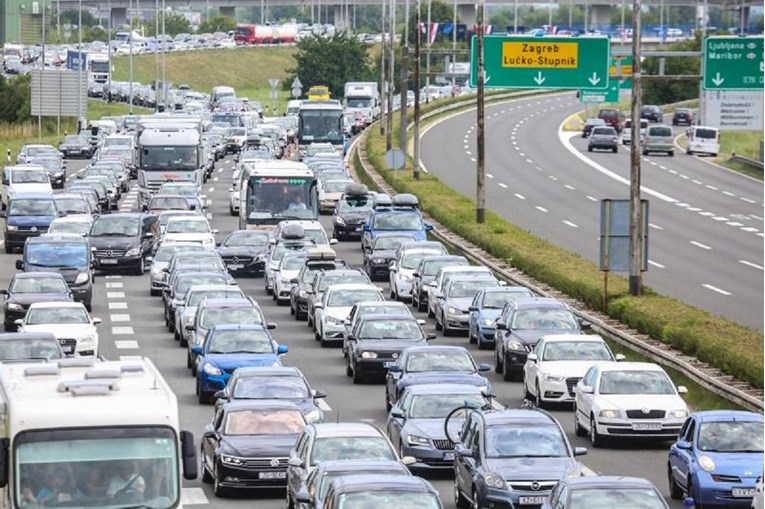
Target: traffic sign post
{"points": [[733, 63], [542, 62], [296, 87], [596, 95]]}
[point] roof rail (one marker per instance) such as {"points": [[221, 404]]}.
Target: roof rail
{"points": [[74, 386], [42, 370]]}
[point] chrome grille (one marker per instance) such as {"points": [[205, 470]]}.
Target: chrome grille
{"points": [[443, 445], [571, 384], [265, 463], [651, 414], [532, 485], [109, 253]]}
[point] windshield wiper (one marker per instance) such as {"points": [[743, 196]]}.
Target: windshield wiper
{"points": [[111, 234]]}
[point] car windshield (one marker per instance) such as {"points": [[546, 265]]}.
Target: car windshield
{"points": [[326, 480], [706, 134], [73, 205], [423, 362], [390, 329], [336, 186], [77, 227], [178, 189], [240, 341], [384, 308], [604, 131], [347, 298], [328, 281], [463, 289], [438, 406], [635, 382], [316, 234], [187, 226], [351, 448], [497, 300], [198, 296], [179, 203], [118, 226], [61, 315], [292, 262], [166, 252], [576, 351], [264, 422], [731, 436], [432, 268], [392, 498], [525, 441], [411, 260], [608, 498], [233, 315], [39, 285], [398, 221], [74, 255], [183, 284], [552, 318], [21, 207], [236, 131], [20, 349], [274, 387], [660, 131], [354, 203], [165, 216], [29, 177], [245, 238], [390, 243], [74, 139]]}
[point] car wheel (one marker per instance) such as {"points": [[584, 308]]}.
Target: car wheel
{"points": [[189, 360], [219, 490], [671, 153], [393, 295], [182, 341], [689, 151], [526, 394], [140, 268], [445, 326], [420, 305], [480, 342], [437, 324], [388, 404], [589, 148], [538, 401], [202, 396], [645, 152], [154, 292], [207, 477], [348, 370], [431, 314], [357, 378], [595, 438], [578, 429], [89, 307], [675, 491], [616, 149], [459, 500], [475, 504], [507, 374], [8, 249], [499, 367]]}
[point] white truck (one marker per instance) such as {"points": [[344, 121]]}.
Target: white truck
{"points": [[79, 423], [363, 97], [99, 68]]}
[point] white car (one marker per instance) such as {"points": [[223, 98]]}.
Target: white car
{"points": [[76, 224], [185, 189], [288, 270], [330, 192], [24, 179], [333, 308], [190, 229], [628, 400], [313, 231], [557, 364], [402, 269], [68, 321]]}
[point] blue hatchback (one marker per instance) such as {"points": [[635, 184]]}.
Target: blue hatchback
{"points": [[228, 347], [486, 308], [401, 216], [717, 458]]}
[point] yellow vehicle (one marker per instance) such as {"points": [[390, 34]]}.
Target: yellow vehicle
{"points": [[318, 93]]}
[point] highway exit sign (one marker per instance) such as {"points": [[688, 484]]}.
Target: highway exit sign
{"points": [[599, 96], [733, 63], [542, 62]]}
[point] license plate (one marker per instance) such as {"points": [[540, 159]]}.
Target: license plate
{"points": [[448, 456], [108, 261], [743, 492], [531, 500], [646, 426], [272, 475], [357, 229], [70, 349], [388, 364], [235, 266]]}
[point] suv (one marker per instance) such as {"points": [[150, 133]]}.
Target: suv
{"points": [[351, 211], [659, 138], [652, 113], [28, 215], [323, 280], [511, 458], [612, 117], [69, 255], [402, 216], [317, 259], [123, 240]]}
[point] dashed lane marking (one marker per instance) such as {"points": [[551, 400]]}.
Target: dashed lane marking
{"points": [[541, 209], [324, 406], [118, 305], [114, 285], [750, 264], [591, 198], [715, 289], [655, 226], [115, 295], [503, 186], [193, 496], [519, 196], [656, 264], [569, 223], [699, 244], [120, 318]]}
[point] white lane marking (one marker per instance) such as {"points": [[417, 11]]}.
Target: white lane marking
{"points": [[682, 204], [122, 331], [490, 175], [715, 289], [113, 276], [711, 188], [503, 186], [685, 177], [720, 218], [220, 171], [587, 471], [118, 305], [209, 202], [695, 209], [193, 496], [706, 214], [529, 161], [569, 223], [699, 244], [655, 264], [519, 196], [126, 344], [324, 406], [215, 179], [734, 223], [591, 198], [472, 159], [728, 193], [115, 295], [209, 215], [120, 318], [748, 200], [521, 154], [541, 209], [662, 167], [750, 264], [655, 226], [114, 285], [758, 218], [468, 152], [131, 358], [517, 147], [750, 229], [538, 168], [673, 172], [552, 177], [569, 187], [211, 190], [697, 182]]}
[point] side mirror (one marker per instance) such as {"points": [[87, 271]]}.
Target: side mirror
{"points": [[483, 367], [219, 395], [416, 274], [282, 349], [421, 321], [190, 327], [580, 451], [332, 242], [501, 326], [682, 444], [396, 413], [303, 497], [619, 357], [189, 453], [318, 305], [270, 326], [408, 460], [19, 265], [96, 321], [18, 321], [294, 281], [586, 389], [149, 259], [366, 227], [464, 452], [351, 338], [473, 308], [682, 389], [428, 227], [294, 461], [197, 350], [319, 394], [532, 357], [395, 368], [430, 336]]}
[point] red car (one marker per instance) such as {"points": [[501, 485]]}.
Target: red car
{"points": [[682, 116]]}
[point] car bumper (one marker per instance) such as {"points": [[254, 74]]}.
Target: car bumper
{"points": [[12, 315], [609, 146], [243, 477], [327, 205], [486, 334], [515, 360], [658, 147], [458, 322], [429, 458], [19, 237], [379, 269], [348, 230], [372, 368], [119, 263], [720, 494], [557, 391], [213, 383], [82, 293], [663, 430], [501, 499]]}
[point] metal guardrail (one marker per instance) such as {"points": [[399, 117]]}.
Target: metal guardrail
{"points": [[712, 379], [754, 163]]}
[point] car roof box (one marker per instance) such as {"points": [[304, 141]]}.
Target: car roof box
{"points": [[405, 200], [293, 232], [356, 189], [321, 253], [382, 200]]}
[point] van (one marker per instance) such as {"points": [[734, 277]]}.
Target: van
{"points": [[67, 254], [627, 132], [28, 215], [659, 138], [703, 140], [24, 179], [220, 92], [612, 117], [293, 108]]}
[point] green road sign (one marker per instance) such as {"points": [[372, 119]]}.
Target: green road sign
{"points": [[542, 62], [599, 95], [733, 63], [625, 61]]}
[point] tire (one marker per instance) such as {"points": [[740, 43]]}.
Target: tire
{"points": [[203, 397], [507, 375], [388, 405], [189, 361], [8, 249], [578, 430], [438, 325], [475, 504], [420, 305], [675, 491], [431, 314], [589, 149], [182, 341], [348, 370], [89, 307], [459, 500], [645, 152], [689, 152], [671, 153], [526, 394], [616, 149], [219, 490], [471, 339], [207, 477], [154, 293], [357, 378], [499, 367], [445, 327], [538, 401], [595, 439], [697, 504], [140, 269]]}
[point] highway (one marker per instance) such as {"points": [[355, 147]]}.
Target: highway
{"points": [[705, 222], [133, 325]]}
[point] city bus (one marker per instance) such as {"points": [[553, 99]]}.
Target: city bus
{"points": [[320, 122]]}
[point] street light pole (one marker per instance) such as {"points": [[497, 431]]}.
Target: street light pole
{"points": [[391, 73], [404, 81], [42, 72], [109, 50], [164, 58], [480, 211], [156, 52], [636, 233], [427, 63], [383, 90], [79, 67], [416, 165], [130, 43]]}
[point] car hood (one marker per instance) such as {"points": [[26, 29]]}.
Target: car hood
{"points": [[32, 188], [62, 330], [461, 303], [431, 428], [112, 242], [489, 314], [650, 401], [388, 345], [383, 253], [354, 216], [532, 336], [241, 250], [24, 221], [567, 368], [736, 463], [341, 313], [249, 446], [236, 360], [25, 299], [443, 377], [417, 234], [532, 468]]}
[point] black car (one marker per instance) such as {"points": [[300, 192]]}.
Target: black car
{"points": [[248, 443], [351, 212], [382, 251], [652, 113], [317, 260], [376, 342], [30, 346], [73, 203], [682, 116], [27, 288], [123, 241], [82, 186], [611, 491], [242, 252], [56, 168], [76, 145]]}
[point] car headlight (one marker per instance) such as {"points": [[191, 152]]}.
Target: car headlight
{"points": [[335, 321], [81, 278], [368, 355], [415, 440], [406, 278], [135, 251], [286, 282], [312, 416], [230, 460], [12, 228], [15, 307], [303, 294], [156, 273], [610, 414], [339, 221], [553, 378], [378, 260], [678, 414], [211, 370], [487, 322], [494, 481], [707, 463], [515, 345]]}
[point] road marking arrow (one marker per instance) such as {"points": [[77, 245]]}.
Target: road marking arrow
{"points": [[594, 79], [486, 79], [718, 80], [539, 79]]}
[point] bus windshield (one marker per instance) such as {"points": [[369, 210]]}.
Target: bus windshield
{"points": [[277, 198], [318, 126]]}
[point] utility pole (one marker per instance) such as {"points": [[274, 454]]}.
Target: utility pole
{"points": [[390, 74], [109, 50], [130, 42], [164, 60], [416, 171], [383, 90], [427, 62], [156, 53], [454, 47], [79, 68], [636, 234], [480, 211], [42, 71], [404, 81]]}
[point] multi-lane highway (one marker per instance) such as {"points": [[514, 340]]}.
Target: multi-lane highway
{"points": [[706, 222], [133, 325]]}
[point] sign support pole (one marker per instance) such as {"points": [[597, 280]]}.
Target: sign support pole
{"points": [[635, 275], [417, 17], [480, 211]]}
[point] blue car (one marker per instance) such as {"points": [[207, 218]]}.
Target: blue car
{"points": [[401, 216], [486, 308], [28, 215], [229, 346], [717, 458]]}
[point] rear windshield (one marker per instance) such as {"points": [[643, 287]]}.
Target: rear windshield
{"points": [[660, 131], [707, 134]]}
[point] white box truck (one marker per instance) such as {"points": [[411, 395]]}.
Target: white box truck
{"points": [[363, 97]]}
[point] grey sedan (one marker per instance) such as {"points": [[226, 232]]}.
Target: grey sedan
{"points": [[605, 138]]}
